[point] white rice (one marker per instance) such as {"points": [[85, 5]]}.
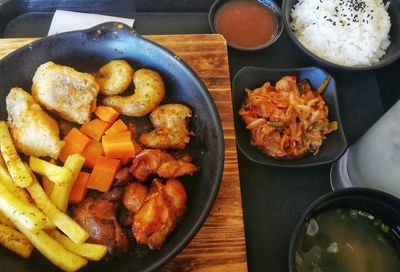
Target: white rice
{"points": [[345, 32]]}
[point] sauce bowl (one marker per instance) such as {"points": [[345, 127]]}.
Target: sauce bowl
{"points": [[270, 5]]}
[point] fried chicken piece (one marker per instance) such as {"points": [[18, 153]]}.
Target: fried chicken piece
{"points": [[158, 216], [66, 92], [177, 195], [97, 217], [34, 132], [155, 161], [170, 123], [134, 196]]}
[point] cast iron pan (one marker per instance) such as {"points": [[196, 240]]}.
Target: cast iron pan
{"points": [[86, 51]]}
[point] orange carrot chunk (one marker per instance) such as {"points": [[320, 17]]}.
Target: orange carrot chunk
{"points": [[119, 145], [92, 152], [103, 174], [106, 114], [118, 127], [95, 128], [75, 142], [79, 189]]}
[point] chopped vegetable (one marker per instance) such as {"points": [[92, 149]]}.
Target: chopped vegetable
{"points": [[75, 142], [107, 114], [118, 127], [288, 120], [79, 189], [103, 174], [95, 128], [119, 145], [323, 85], [92, 152]]}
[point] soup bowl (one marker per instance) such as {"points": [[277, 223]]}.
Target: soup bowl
{"points": [[381, 205]]}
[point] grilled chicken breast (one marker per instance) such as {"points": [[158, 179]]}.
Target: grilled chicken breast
{"points": [[66, 92], [33, 131]]}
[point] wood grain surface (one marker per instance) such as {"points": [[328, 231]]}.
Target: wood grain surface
{"points": [[220, 243]]}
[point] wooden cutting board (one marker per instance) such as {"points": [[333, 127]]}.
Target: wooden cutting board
{"points": [[220, 243]]}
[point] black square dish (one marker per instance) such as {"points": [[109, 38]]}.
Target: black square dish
{"points": [[252, 77]]}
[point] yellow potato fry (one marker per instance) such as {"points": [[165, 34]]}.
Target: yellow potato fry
{"points": [[60, 193], [14, 164], [15, 241], [93, 252], [47, 184], [65, 223], [28, 215], [57, 174], [20, 193], [2, 162], [52, 250], [6, 221]]}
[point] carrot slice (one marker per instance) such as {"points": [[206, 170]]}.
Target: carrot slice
{"points": [[95, 128], [106, 114], [92, 152], [79, 189], [118, 127], [119, 145], [75, 142], [103, 174]]}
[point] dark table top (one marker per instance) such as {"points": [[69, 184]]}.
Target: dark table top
{"points": [[273, 198]]}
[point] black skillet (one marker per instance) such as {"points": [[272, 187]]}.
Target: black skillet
{"points": [[86, 51]]}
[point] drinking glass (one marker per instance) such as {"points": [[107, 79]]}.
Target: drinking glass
{"points": [[373, 161]]}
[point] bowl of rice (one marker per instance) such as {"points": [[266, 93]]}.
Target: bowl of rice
{"points": [[345, 34]]}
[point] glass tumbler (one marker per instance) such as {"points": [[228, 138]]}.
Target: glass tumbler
{"points": [[373, 161]]}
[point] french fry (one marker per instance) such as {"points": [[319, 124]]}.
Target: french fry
{"points": [[58, 174], [60, 193], [14, 164], [20, 193], [2, 162], [6, 221], [15, 241], [14, 208], [47, 184], [52, 249], [65, 223], [93, 252]]}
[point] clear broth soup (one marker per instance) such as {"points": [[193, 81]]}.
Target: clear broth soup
{"points": [[347, 241]]}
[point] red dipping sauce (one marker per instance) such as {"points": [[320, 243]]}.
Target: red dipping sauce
{"points": [[245, 23]]}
